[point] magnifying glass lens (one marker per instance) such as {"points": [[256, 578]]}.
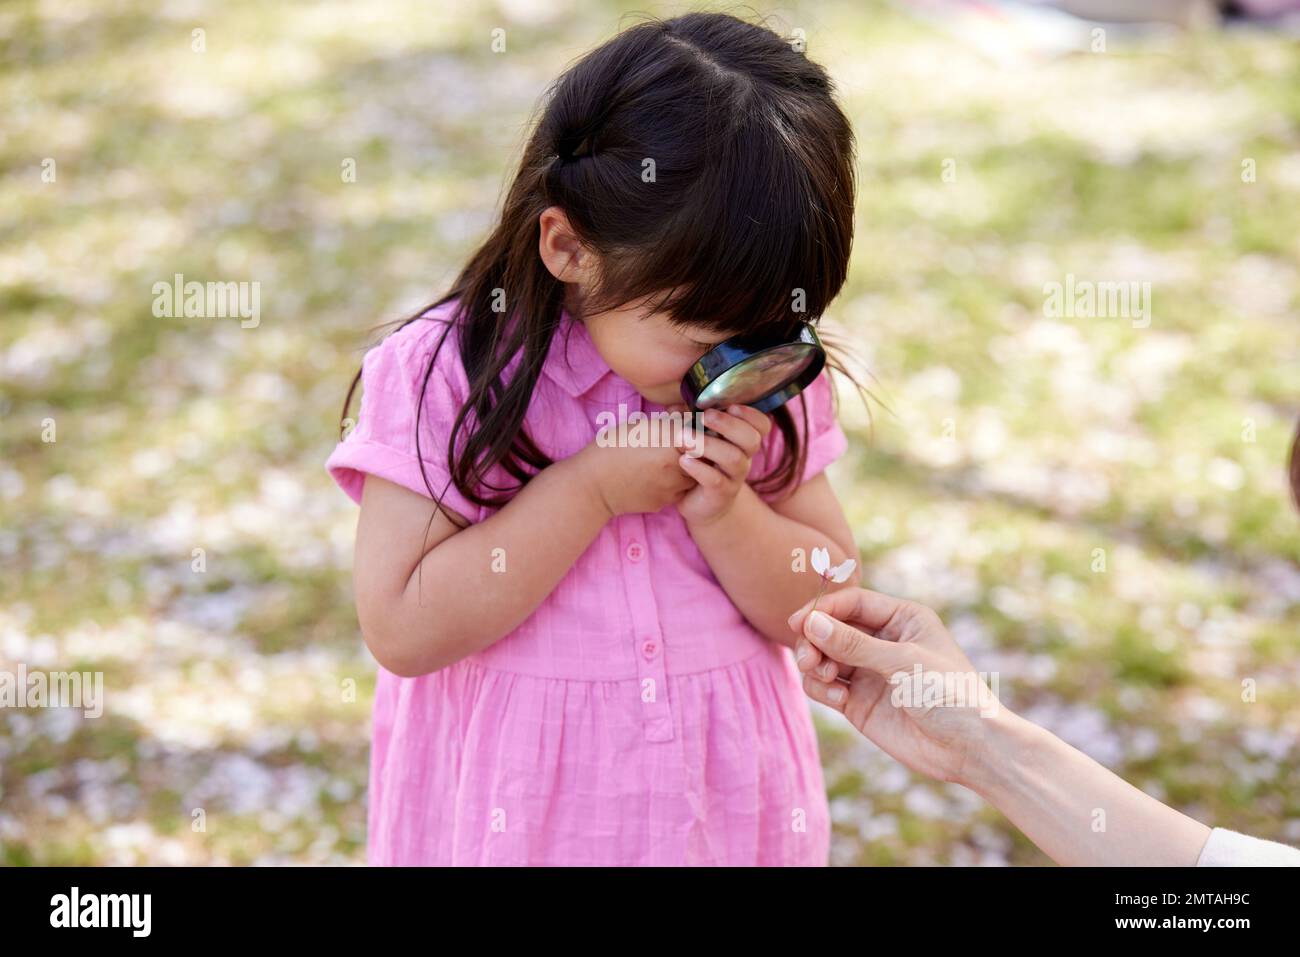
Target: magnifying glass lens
{"points": [[755, 378], [760, 371]]}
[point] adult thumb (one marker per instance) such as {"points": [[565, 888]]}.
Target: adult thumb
{"points": [[849, 646]]}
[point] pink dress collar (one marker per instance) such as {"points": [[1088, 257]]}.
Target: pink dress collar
{"points": [[576, 365]]}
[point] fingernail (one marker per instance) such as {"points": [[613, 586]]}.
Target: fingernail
{"points": [[790, 621], [802, 654], [820, 624], [836, 695], [828, 671]]}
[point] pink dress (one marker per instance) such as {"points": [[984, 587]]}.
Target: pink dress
{"points": [[636, 718]]}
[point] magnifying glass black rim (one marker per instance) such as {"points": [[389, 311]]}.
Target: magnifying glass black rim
{"points": [[731, 352]]}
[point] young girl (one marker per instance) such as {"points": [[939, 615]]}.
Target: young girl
{"points": [[582, 647]]}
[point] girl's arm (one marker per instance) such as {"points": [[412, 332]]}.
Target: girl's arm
{"points": [[430, 594], [751, 549]]}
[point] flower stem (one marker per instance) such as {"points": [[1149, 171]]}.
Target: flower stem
{"points": [[821, 589]]}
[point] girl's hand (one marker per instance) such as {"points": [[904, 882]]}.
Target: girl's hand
{"points": [[741, 431], [623, 480]]}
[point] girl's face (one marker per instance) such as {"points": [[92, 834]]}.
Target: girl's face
{"points": [[639, 344], [647, 350]]}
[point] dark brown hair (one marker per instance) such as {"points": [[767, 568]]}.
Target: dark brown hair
{"points": [[705, 161]]}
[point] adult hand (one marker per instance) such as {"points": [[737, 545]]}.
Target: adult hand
{"points": [[893, 670]]}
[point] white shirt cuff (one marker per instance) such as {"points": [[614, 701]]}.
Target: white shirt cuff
{"points": [[1229, 849]]}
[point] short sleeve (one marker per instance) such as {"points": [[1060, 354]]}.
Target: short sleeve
{"points": [[383, 440], [825, 439], [1229, 849]]}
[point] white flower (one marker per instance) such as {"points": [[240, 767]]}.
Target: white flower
{"points": [[821, 563]]}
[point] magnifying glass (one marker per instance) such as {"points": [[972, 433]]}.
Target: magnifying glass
{"points": [[760, 371]]}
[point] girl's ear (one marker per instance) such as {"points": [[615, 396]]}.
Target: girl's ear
{"points": [[562, 252]]}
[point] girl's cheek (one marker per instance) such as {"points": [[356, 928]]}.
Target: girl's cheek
{"points": [[650, 365], [660, 372]]}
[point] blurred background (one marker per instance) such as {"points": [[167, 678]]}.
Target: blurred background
{"points": [[1096, 505]]}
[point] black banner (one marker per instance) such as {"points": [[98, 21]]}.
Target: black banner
{"points": [[929, 906]]}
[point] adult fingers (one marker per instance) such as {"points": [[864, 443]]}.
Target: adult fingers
{"points": [[865, 608], [847, 645], [807, 656], [833, 694], [811, 661]]}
